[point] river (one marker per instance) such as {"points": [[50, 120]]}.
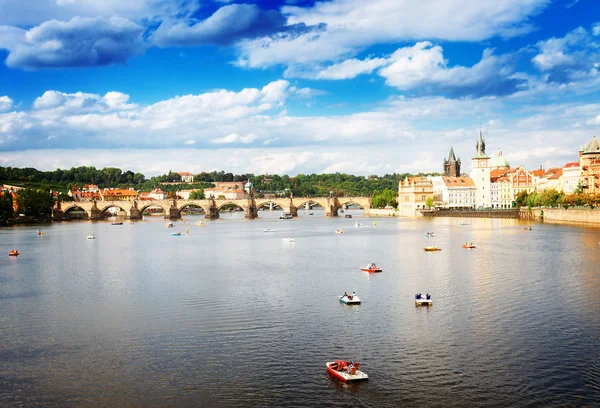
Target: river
{"points": [[232, 316]]}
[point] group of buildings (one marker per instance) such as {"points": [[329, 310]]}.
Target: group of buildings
{"points": [[493, 183], [222, 190]]}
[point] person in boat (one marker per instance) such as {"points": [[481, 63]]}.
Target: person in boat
{"points": [[345, 295], [350, 297], [428, 296], [418, 296]]}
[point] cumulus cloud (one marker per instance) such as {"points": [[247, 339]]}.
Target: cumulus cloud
{"points": [[5, 103], [342, 28], [347, 69], [227, 25], [423, 67], [570, 58], [80, 42]]}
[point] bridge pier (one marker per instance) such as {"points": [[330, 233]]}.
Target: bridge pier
{"points": [[213, 211], [95, 213], [134, 212], [173, 213]]}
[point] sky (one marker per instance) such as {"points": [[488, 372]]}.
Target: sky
{"points": [[296, 86]]}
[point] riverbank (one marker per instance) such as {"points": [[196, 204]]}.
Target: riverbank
{"points": [[587, 216]]}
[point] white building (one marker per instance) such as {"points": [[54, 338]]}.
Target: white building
{"points": [[571, 177], [481, 175], [453, 192], [186, 176], [157, 194], [225, 193]]}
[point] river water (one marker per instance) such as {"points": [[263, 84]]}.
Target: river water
{"points": [[232, 316]]}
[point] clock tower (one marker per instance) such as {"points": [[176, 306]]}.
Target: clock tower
{"points": [[481, 175]]}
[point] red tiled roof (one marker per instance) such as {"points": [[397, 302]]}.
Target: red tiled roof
{"points": [[539, 172], [459, 181], [185, 173], [572, 164]]}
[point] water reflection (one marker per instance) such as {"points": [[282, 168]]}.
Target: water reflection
{"points": [[230, 316]]}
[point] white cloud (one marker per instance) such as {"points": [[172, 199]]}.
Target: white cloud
{"points": [[189, 142], [345, 27], [555, 51], [5, 103], [423, 67], [227, 25], [82, 41], [344, 70], [235, 138]]}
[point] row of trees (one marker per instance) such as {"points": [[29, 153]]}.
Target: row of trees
{"points": [[304, 185], [554, 198]]}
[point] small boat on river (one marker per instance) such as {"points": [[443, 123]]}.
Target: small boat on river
{"points": [[371, 268], [14, 252], [350, 299], [286, 216], [39, 232], [169, 225], [346, 370], [176, 234], [527, 228], [469, 245], [269, 230], [357, 225], [339, 231], [117, 223], [348, 216], [91, 237], [464, 223], [429, 234], [432, 248], [421, 300], [288, 239]]}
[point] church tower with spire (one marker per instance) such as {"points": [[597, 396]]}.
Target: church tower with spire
{"points": [[452, 165], [481, 174]]}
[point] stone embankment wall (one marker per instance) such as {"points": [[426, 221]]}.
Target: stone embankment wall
{"points": [[561, 215], [381, 212], [511, 213]]}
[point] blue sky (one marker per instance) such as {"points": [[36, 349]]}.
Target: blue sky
{"points": [[293, 86]]}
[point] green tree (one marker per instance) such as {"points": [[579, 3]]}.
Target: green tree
{"points": [[429, 202], [6, 205], [197, 195], [35, 203]]}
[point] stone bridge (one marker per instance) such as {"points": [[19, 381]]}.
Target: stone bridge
{"points": [[96, 210]]}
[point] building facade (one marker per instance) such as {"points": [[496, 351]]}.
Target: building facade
{"points": [[571, 177], [117, 194], [589, 161], [453, 192], [413, 193], [186, 176], [225, 193]]}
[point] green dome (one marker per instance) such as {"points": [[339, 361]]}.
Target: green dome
{"points": [[499, 161]]}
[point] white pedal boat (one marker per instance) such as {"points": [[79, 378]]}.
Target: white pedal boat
{"points": [[350, 299]]}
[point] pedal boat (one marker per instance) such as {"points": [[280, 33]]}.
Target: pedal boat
{"points": [[347, 371], [421, 300], [350, 300], [432, 248], [14, 252], [371, 269], [469, 246]]}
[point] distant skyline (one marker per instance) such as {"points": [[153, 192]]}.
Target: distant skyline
{"points": [[296, 86]]}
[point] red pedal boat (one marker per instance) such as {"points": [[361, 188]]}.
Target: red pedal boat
{"points": [[371, 268], [346, 370], [14, 252]]}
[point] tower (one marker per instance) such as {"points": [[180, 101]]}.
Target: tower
{"points": [[452, 166], [481, 174]]}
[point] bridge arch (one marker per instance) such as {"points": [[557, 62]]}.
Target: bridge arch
{"points": [[149, 204], [268, 203], [66, 212], [105, 208], [205, 211]]}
